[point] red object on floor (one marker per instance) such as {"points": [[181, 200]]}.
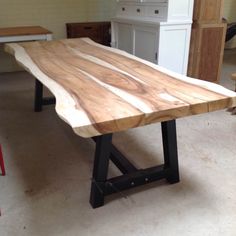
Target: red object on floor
{"points": [[2, 162]]}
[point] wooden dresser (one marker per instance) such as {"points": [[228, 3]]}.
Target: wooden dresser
{"points": [[207, 40], [100, 32]]}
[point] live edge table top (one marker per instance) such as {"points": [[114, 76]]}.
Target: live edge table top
{"points": [[103, 90]]}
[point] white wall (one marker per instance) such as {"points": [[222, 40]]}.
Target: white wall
{"points": [[230, 15], [230, 10], [99, 10], [51, 14]]}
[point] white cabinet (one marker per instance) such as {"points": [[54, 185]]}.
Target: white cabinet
{"points": [[145, 43], [163, 44], [174, 44], [155, 30], [147, 13], [125, 37], [156, 10]]}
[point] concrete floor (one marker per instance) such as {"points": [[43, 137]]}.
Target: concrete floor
{"points": [[47, 186]]}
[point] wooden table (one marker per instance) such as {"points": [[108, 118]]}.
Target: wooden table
{"points": [[24, 33], [101, 90]]}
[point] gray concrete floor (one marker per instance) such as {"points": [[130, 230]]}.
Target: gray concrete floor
{"points": [[47, 186]]}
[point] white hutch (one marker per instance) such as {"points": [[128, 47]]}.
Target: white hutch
{"points": [[156, 30]]}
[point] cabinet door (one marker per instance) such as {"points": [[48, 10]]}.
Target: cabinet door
{"points": [[174, 47], [206, 51], [146, 43], [125, 37]]}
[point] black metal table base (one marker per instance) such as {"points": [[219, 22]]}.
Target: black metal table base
{"points": [[105, 151], [131, 177], [39, 100]]}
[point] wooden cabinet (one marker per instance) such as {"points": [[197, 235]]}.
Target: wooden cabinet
{"points": [[208, 11], [206, 53], [207, 40], [98, 31]]}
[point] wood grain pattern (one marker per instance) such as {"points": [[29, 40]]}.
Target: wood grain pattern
{"points": [[208, 11], [102, 90], [25, 30], [234, 76], [206, 51]]}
